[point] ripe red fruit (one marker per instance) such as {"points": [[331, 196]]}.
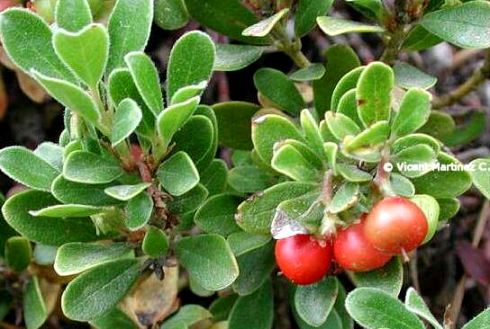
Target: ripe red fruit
{"points": [[396, 224], [354, 253], [303, 259]]}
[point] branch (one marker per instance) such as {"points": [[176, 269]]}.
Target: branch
{"points": [[477, 78]]}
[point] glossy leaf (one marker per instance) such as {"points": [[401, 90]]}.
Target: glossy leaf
{"points": [[340, 125], [155, 244], [306, 14], [126, 192], [480, 175], [51, 153], [408, 76], [440, 125], [413, 113], [186, 93], [242, 242], [214, 177], [95, 292], [346, 83], [217, 270], [345, 197], [66, 210], [25, 167], [217, 215], [114, 319], [353, 174], [187, 316], [480, 321], [309, 73], [18, 253], [289, 161], [265, 26], [260, 304], [416, 304], [76, 257], [138, 211], [392, 274], [178, 174], [69, 192], [35, 310], [373, 137], [126, 119], [85, 52], [431, 210], [189, 201], [171, 14], [248, 179]]}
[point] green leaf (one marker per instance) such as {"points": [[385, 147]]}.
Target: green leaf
{"points": [[289, 161], [372, 9], [155, 244], [277, 87], [415, 304], [243, 242], [443, 184], [248, 179], [186, 93], [466, 26], [315, 301], [202, 150], [35, 311], [260, 304], [188, 202], [32, 49], [187, 316], [373, 309], [214, 271], [419, 39], [121, 87], [353, 174], [269, 129], [66, 210], [311, 132], [480, 321], [178, 174], [449, 207], [18, 253], [128, 31], [262, 261], [340, 125], [373, 137], [73, 15], [90, 168], [256, 213], [85, 52], [408, 76], [333, 26], [171, 14], [78, 193], [414, 140], [43, 229], [468, 132], [401, 185], [127, 118], [234, 123], [413, 113], [51, 153], [25, 167], [306, 14], [312, 72], [77, 257], [70, 96], [126, 192], [138, 211], [430, 207], [115, 318], [145, 77], [479, 175], [191, 61], [416, 155], [214, 177], [392, 274], [440, 125], [217, 215], [229, 18], [340, 60], [221, 307], [98, 290], [346, 83], [374, 93], [348, 106], [174, 117], [345, 197], [265, 26], [235, 57], [339, 307]]}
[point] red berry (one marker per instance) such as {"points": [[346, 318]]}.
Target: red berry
{"points": [[303, 259], [354, 253], [396, 224]]}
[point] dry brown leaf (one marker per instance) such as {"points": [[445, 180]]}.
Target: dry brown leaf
{"points": [[31, 88], [51, 293], [152, 300]]}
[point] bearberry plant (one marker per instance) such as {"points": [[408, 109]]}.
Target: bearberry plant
{"points": [[324, 190]]}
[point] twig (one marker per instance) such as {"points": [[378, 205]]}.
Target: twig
{"points": [[455, 308], [414, 273], [478, 77], [399, 27], [290, 47]]}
